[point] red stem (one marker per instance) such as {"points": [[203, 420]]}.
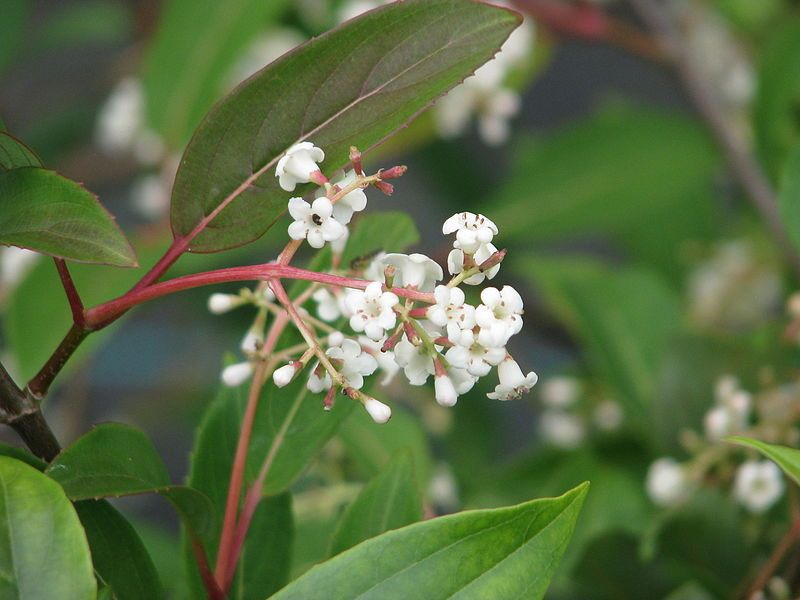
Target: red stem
{"points": [[240, 458], [212, 589], [73, 297], [104, 314]]}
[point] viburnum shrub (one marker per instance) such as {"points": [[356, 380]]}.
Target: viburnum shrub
{"points": [[292, 129]]}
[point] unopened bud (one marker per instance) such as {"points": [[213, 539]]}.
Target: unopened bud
{"points": [[283, 376], [355, 158], [445, 391], [411, 333], [392, 340], [386, 188], [235, 375], [379, 412], [222, 303], [443, 341], [319, 178], [494, 260], [388, 275], [393, 173]]}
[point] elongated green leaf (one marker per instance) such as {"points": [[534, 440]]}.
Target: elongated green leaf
{"points": [[391, 500], [354, 85], [788, 459], [51, 214], [789, 196], [500, 553], [15, 154], [43, 549], [182, 78], [120, 559], [115, 460], [625, 317]]}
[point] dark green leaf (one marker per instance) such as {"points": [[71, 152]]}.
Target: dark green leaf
{"points": [[120, 559], [789, 196], [354, 85], [626, 319], [15, 154], [613, 174], [373, 447], [23, 455], [183, 78], [12, 29], [500, 553], [788, 459], [48, 213], [775, 117], [43, 548], [391, 500], [115, 460]]}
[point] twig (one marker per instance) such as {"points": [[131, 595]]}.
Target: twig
{"points": [[789, 539], [73, 297], [743, 165]]}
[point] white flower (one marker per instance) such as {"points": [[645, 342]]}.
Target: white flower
{"points": [[15, 264], [718, 423], [121, 117], [221, 303], [327, 305], [608, 415], [379, 412], [314, 222], [451, 312], [560, 392], [513, 383], [455, 263], [150, 196], [667, 483], [413, 270], [462, 379], [372, 310], [443, 488], [338, 245], [758, 485], [235, 375], [471, 230], [298, 164], [445, 391], [355, 363], [561, 429], [417, 364], [473, 356], [354, 202], [283, 376], [386, 360], [317, 384], [252, 340], [500, 315]]}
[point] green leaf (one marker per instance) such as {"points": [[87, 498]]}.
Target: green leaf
{"points": [[120, 559], [43, 549], [354, 85], [789, 196], [115, 460], [775, 119], [22, 455], [48, 213], [184, 77], [612, 175], [500, 553], [15, 154], [788, 459], [12, 29], [625, 318], [372, 448], [391, 500]]}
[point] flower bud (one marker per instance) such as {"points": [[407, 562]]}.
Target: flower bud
{"points": [[379, 412], [283, 376], [237, 374], [355, 159], [393, 172], [445, 391], [222, 303]]}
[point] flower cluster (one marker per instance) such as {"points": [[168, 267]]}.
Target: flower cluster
{"points": [[394, 312], [756, 484]]}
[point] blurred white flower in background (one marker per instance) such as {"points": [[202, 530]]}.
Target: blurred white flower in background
{"points": [[562, 429], [560, 392], [265, 48], [667, 482], [15, 264], [758, 485], [731, 410]]}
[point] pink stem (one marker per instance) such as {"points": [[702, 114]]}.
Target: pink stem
{"points": [[103, 314], [73, 297]]}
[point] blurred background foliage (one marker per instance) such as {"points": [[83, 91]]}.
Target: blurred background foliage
{"points": [[647, 273]]}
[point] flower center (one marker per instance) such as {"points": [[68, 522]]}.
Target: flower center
{"points": [[316, 219]]}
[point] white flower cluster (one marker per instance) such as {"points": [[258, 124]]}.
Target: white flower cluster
{"points": [[757, 485], [568, 413], [402, 316]]}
